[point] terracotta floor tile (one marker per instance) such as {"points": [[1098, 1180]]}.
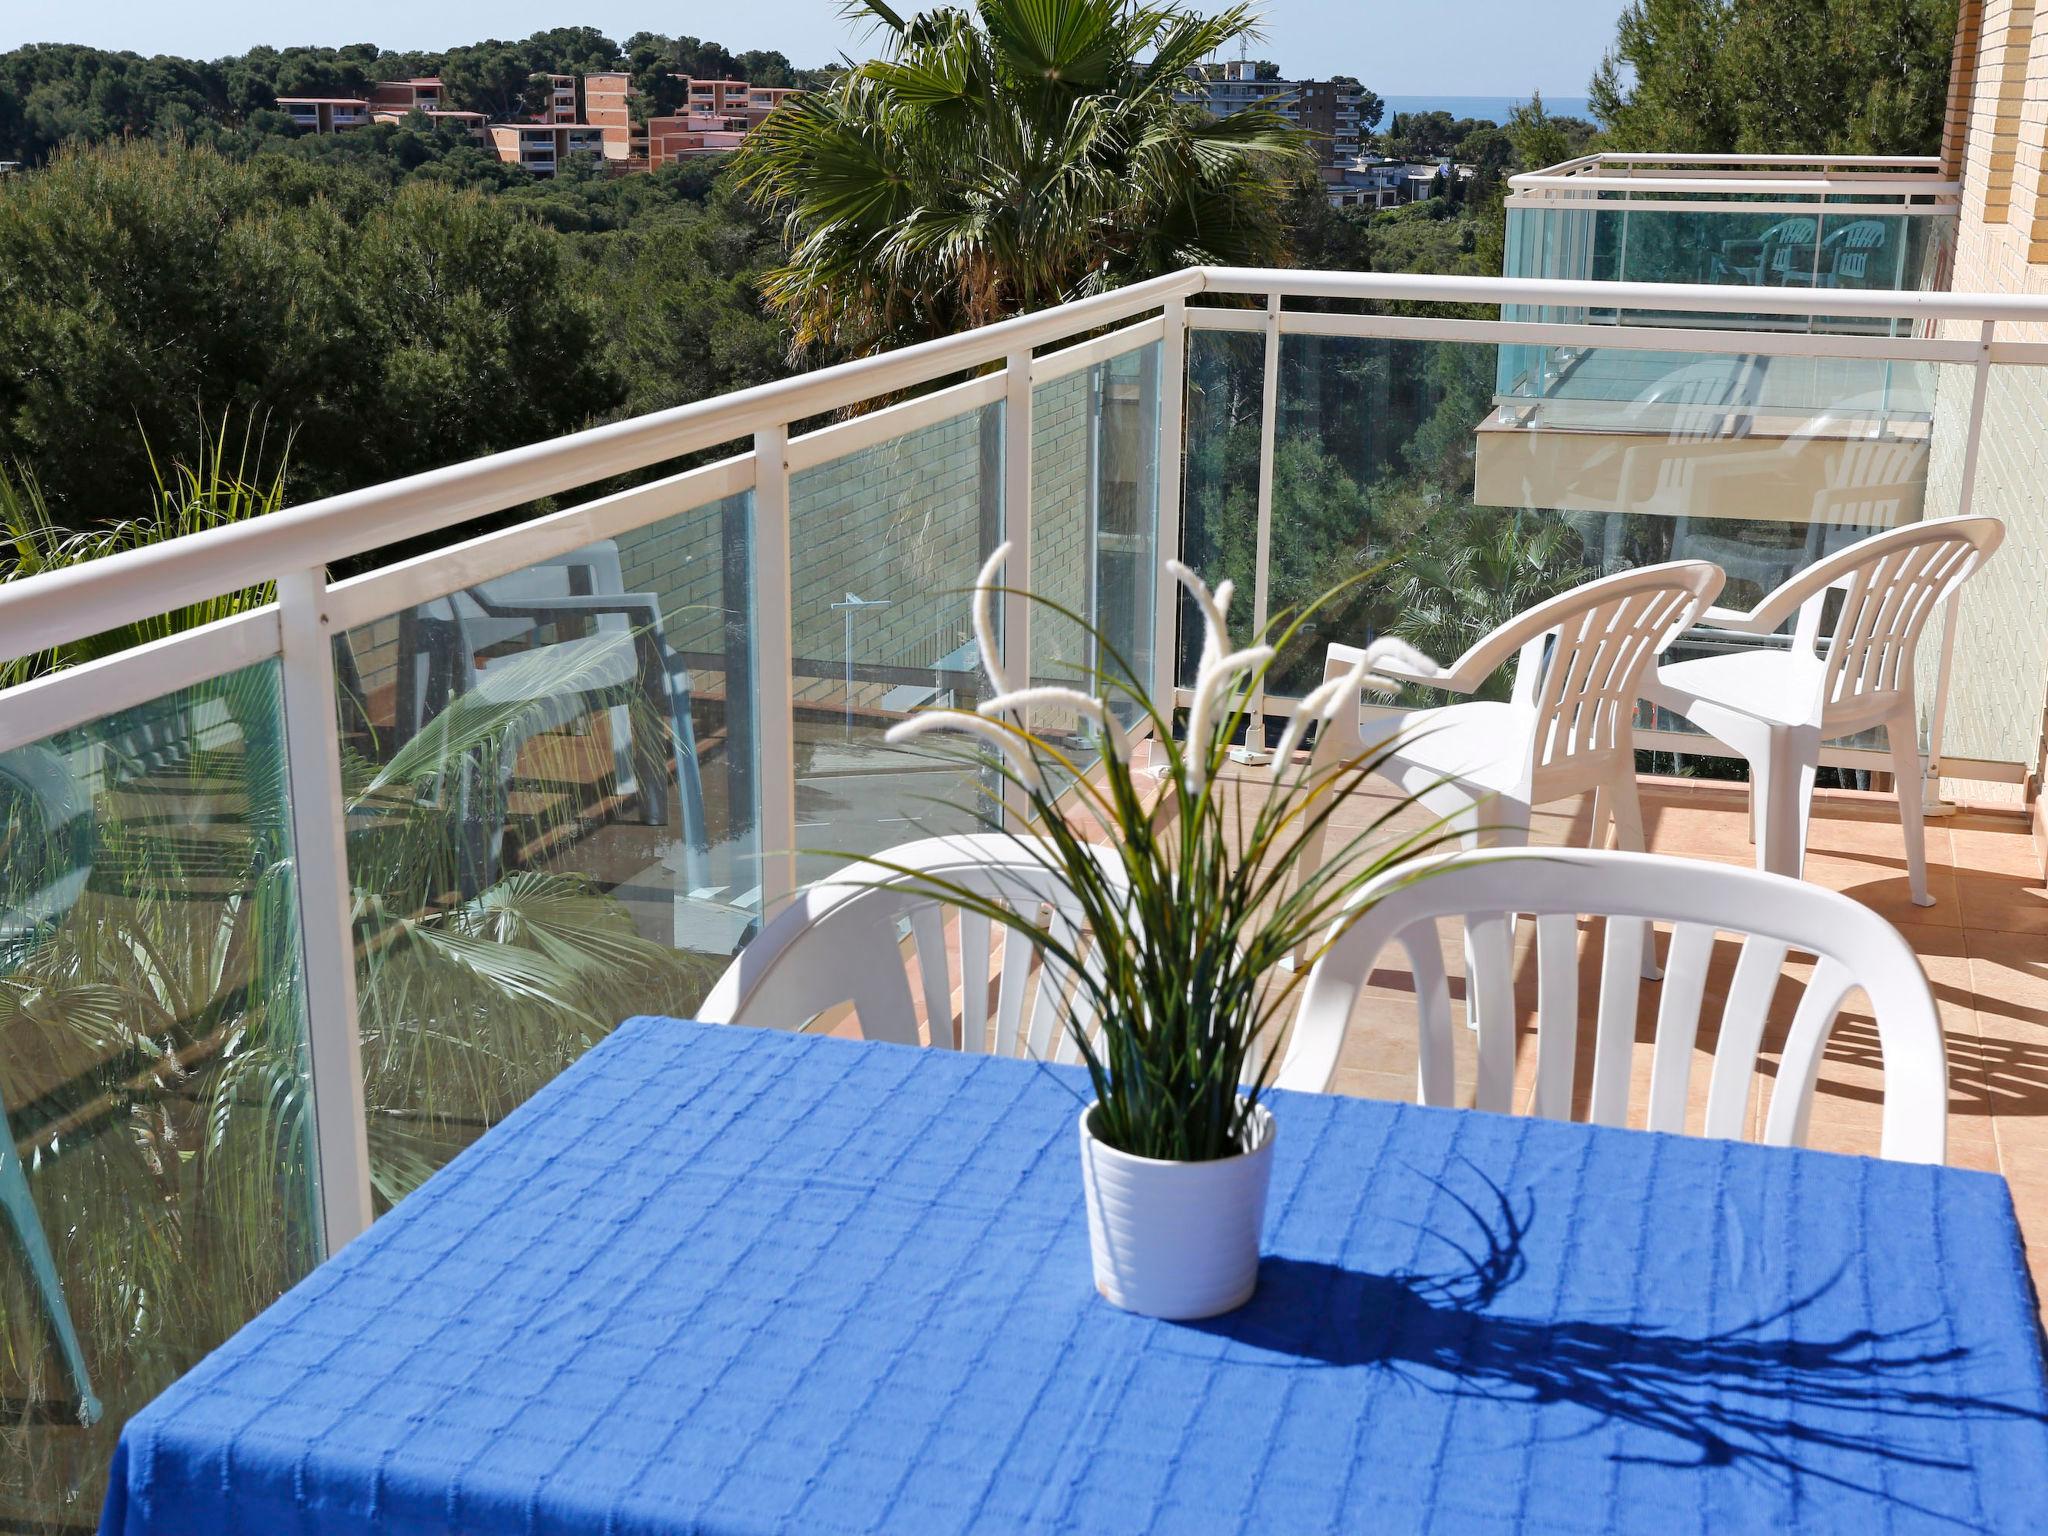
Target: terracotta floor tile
{"points": [[1978, 1152], [1994, 851], [2002, 903]]}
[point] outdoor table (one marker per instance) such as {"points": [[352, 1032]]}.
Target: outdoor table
{"points": [[716, 1279]]}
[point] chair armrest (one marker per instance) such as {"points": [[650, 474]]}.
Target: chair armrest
{"points": [[1396, 662], [1743, 622], [633, 605], [649, 643]]}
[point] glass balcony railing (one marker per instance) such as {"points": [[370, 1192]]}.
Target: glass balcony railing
{"points": [[294, 907]]}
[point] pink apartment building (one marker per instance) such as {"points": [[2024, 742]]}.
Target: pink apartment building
{"points": [[592, 116]]}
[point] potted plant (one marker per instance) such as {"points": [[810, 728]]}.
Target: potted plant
{"points": [[1186, 973]]}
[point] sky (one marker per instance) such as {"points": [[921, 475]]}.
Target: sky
{"points": [[1439, 47]]}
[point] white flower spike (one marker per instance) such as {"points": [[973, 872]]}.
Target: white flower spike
{"points": [[984, 619], [1317, 706], [1003, 739], [1085, 705]]}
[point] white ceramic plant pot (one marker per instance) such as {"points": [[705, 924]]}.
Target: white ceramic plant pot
{"points": [[1177, 1240]]}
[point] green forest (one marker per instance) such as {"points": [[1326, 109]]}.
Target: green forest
{"points": [[392, 299]]}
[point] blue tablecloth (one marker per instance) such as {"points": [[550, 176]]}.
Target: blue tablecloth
{"points": [[726, 1280]]}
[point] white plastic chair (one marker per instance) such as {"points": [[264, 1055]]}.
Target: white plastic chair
{"points": [[840, 942], [1771, 914], [1568, 728], [1776, 706]]}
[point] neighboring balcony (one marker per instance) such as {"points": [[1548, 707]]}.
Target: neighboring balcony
{"points": [[1620, 401]]}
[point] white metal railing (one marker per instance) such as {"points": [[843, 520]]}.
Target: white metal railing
{"points": [[297, 546], [1912, 182]]}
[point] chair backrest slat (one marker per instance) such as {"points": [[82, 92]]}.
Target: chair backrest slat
{"points": [[928, 927], [1741, 1035], [1771, 914], [1438, 1067], [1490, 988], [1010, 990], [1678, 1024], [1055, 982], [974, 937], [1799, 1063], [1615, 1035], [1557, 1013]]}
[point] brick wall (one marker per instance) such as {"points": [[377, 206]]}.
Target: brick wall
{"points": [[1999, 677]]}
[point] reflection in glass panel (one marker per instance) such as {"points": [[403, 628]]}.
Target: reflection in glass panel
{"points": [[1220, 476], [1842, 245], [156, 1185], [551, 783], [1094, 525], [885, 545], [1395, 460]]}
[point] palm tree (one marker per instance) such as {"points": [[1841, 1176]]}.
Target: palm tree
{"points": [[1010, 156], [1478, 571]]}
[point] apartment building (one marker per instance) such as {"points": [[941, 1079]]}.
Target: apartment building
{"points": [[325, 114], [422, 93], [392, 101], [558, 99], [590, 115], [1370, 182], [389, 101], [716, 116], [1328, 109], [543, 147], [691, 136], [733, 100], [607, 107]]}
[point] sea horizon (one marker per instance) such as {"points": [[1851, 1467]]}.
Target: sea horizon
{"points": [[1491, 108]]}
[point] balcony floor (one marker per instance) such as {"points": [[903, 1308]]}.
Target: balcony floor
{"points": [[1984, 945]]}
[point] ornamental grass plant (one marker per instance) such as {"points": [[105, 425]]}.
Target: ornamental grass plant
{"points": [[1185, 969]]}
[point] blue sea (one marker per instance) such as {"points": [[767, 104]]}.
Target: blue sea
{"points": [[1493, 108]]}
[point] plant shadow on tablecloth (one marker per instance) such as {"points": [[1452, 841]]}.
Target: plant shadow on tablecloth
{"points": [[1746, 1396]]}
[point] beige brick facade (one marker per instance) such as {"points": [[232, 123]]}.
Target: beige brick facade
{"points": [[1999, 677]]}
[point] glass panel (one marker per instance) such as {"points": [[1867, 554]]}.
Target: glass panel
{"points": [[885, 545], [157, 1185], [1842, 245], [1220, 479], [1998, 676], [1395, 459], [1094, 523], [553, 820]]}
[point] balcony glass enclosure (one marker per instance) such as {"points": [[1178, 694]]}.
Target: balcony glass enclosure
{"points": [[295, 907], [1812, 227]]}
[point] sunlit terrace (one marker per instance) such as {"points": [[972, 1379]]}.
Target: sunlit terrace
{"points": [[297, 905]]}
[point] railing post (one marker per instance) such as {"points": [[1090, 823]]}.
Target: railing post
{"points": [[774, 671], [325, 903], [1966, 496], [1173, 382], [1017, 529], [1269, 423]]}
